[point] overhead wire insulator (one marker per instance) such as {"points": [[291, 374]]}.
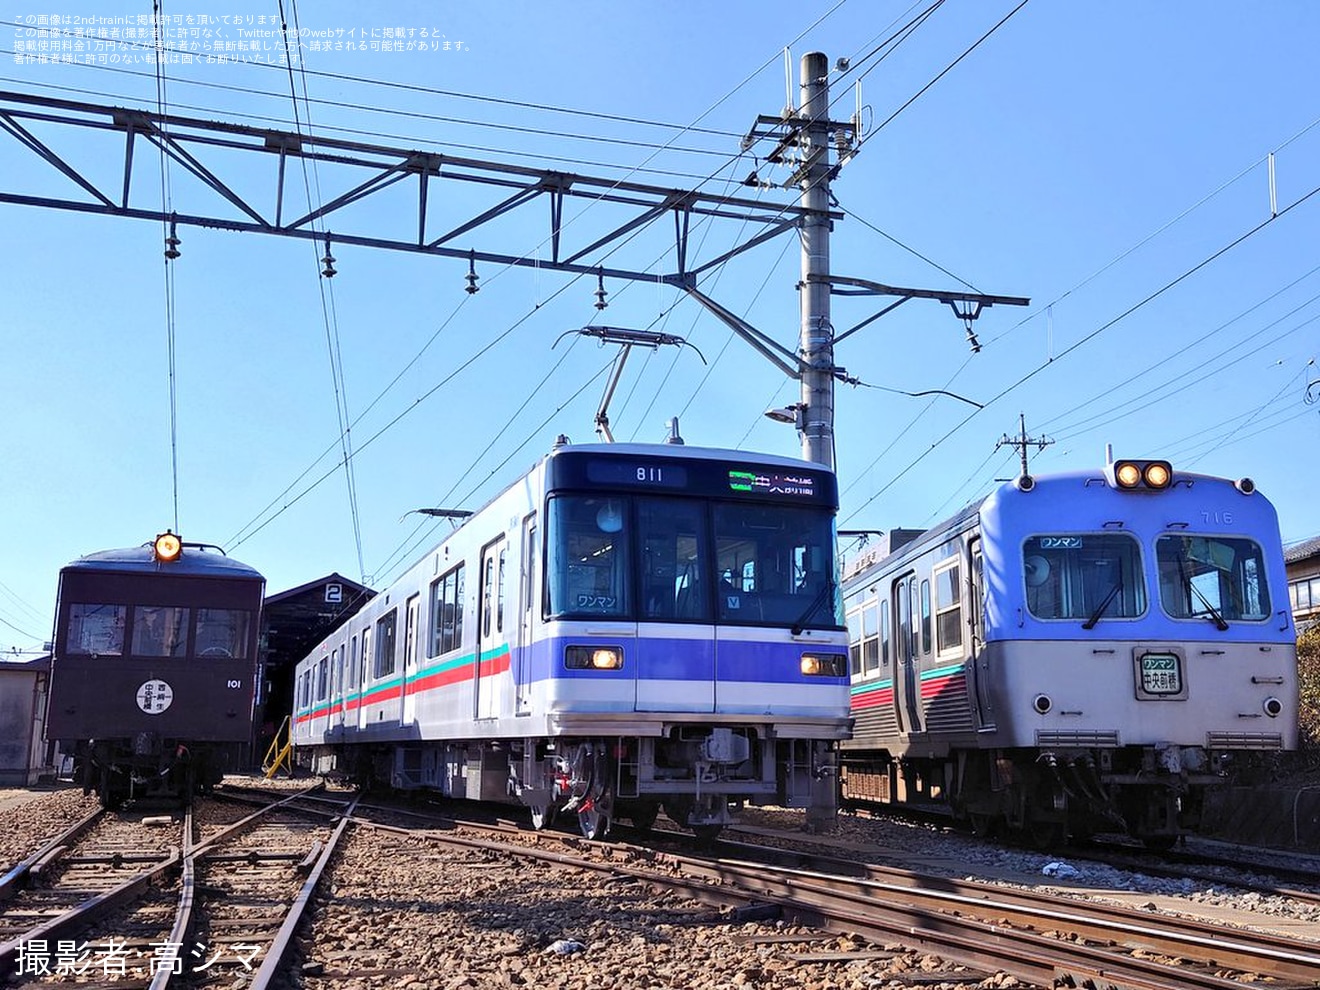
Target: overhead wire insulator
{"points": [[328, 262], [600, 290], [472, 275], [172, 242]]}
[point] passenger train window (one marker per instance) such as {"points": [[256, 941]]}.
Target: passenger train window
{"points": [[223, 632], [871, 637], [1212, 577], [96, 630], [884, 633], [925, 616], [855, 642], [322, 678], [447, 612], [385, 644], [948, 608], [160, 631], [1085, 577], [500, 582]]}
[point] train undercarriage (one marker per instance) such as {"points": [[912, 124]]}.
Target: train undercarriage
{"points": [[1154, 794], [149, 766], [700, 776]]}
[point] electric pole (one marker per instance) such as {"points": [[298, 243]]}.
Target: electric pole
{"points": [[816, 340], [1022, 442]]}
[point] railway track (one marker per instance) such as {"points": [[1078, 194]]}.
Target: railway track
{"points": [[142, 900], [1038, 938]]}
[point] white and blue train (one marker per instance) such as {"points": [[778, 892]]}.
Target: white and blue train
{"points": [[626, 627], [1076, 653]]}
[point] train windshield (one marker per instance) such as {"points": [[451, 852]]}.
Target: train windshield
{"points": [[1086, 577], [671, 559], [1218, 578], [96, 630]]}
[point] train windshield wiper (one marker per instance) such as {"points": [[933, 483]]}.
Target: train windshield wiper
{"points": [[825, 593], [1100, 610], [1211, 613]]}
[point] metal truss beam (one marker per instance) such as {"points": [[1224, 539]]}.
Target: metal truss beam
{"points": [[353, 172]]}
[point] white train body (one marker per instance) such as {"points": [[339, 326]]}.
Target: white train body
{"points": [[627, 626]]}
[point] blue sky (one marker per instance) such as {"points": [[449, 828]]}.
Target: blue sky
{"points": [[1108, 160]]}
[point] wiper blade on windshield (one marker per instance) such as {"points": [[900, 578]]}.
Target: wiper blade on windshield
{"points": [[816, 603], [1100, 610], [1213, 615]]}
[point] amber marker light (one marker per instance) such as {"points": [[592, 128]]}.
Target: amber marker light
{"points": [[167, 547]]}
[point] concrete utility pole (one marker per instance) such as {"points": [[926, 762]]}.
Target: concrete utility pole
{"points": [[816, 341]]}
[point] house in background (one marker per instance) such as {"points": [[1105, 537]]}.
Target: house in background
{"points": [[1303, 564]]}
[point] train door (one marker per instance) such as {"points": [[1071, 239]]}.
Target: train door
{"points": [[408, 713], [907, 695], [522, 649], [492, 646], [364, 666], [336, 726], [979, 659]]}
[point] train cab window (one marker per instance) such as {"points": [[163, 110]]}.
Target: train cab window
{"points": [[672, 537], [385, 644], [1219, 578], [160, 631], [223, 632], [447, 612], [96, 630], [587, 556], [948, 608], [779, 561], [1084, 577]]}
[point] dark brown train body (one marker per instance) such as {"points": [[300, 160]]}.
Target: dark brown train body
{"points": [[154, 668]]}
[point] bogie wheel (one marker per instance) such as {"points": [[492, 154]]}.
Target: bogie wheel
{"points": [[1045, 835], [643, 816], [1159, 843]]}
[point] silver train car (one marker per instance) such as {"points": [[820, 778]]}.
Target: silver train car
{"points": [[626, 628], [1074, 654]]}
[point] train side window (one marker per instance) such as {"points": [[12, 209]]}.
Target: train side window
{"points": [[223, 632], [870, 637], [925, 616], [96, 630], [948, 608], [322, 678], [855, 642], [385, 644], [447, 612], [160, 631], [366, 653], [410, 633], [353, 662], [500, 588], [884, 633]]}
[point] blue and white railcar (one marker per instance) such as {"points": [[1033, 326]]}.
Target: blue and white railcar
{"points": [[1075, 653], [625, 627]]}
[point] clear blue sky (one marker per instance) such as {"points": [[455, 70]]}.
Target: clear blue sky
{"points": [[1087, 155]]}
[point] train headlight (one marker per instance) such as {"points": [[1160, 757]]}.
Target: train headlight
{"points": [[1152, 476], [1127, 474], [824, 664], [593, 657], [1158, 474], [167, 547], [1273, 707]]}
